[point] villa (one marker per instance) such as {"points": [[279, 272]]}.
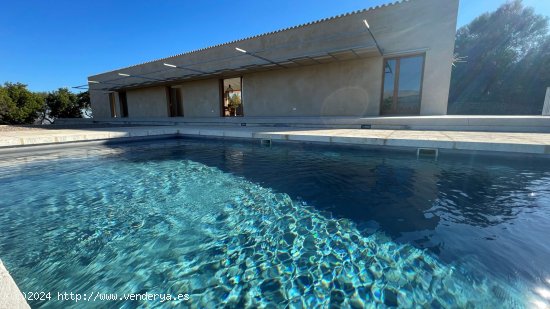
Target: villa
{"points": [[389, 60]]}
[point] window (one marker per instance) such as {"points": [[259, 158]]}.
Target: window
{"points": [[175, 104], [112, 104], [232, 104], [123, 103], [402, 88]]}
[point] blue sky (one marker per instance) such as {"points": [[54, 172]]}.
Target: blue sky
{"points": [[52, 44]]}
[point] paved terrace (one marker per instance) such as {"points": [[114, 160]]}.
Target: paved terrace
{"points": [[528, 143]]}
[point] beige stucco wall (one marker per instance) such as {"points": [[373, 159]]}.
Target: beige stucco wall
{"points": [[430, 26], [147, 102], [201, 98], [340, 88], [347, 88]]}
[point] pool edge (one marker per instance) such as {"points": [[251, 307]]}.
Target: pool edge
{"points": [[10, 295], [387, 139]]}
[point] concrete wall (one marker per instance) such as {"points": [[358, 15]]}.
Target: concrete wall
{"points": [[101, 106], [347, 88], [201, 98], [147, 102], [339, 88]]}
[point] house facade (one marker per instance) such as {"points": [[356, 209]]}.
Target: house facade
{"points": [[390, 60]]}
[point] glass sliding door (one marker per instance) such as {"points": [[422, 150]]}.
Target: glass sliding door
{"points": [[389, 94], [402, 85]]}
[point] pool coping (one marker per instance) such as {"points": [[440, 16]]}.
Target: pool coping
{"points": [[10, 295], [493, 142]]}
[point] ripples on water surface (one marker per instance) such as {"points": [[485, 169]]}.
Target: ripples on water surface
{"points": [[235, 224]]}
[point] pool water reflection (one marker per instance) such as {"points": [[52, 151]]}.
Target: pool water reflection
{"points": [[234, 223]]}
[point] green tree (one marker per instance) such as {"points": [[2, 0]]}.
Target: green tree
{"points": [[43, 113], [6, 104], [234, 102], [532, 77], [18, 105], [499, 49], [63, 104], [83, 100]]}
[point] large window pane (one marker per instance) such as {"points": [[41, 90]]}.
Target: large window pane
{"points": [[410, 83], [389, 86], [402, 86]]}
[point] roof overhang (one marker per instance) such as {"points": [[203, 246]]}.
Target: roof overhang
{"points": [[174, 76]]}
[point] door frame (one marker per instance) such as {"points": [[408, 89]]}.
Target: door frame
{"points": [[222, 93], [396, 82]]}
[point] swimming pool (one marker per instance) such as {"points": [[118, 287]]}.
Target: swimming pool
{"points": [[232, 223]]}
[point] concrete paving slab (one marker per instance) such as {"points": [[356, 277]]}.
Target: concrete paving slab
{"points": [[109, 135], [36, 140], [8, 141], [10, 296], [357, 140], [534, 143], [484, 123], [309, 138]]}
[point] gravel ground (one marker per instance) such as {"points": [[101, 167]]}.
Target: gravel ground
{"points": [[4, 128], [11, 128]]}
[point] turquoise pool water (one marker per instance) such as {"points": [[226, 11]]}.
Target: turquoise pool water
{"points": [[238, 225]]}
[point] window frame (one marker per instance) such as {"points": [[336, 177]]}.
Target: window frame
{"points": [[398, 58]]}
